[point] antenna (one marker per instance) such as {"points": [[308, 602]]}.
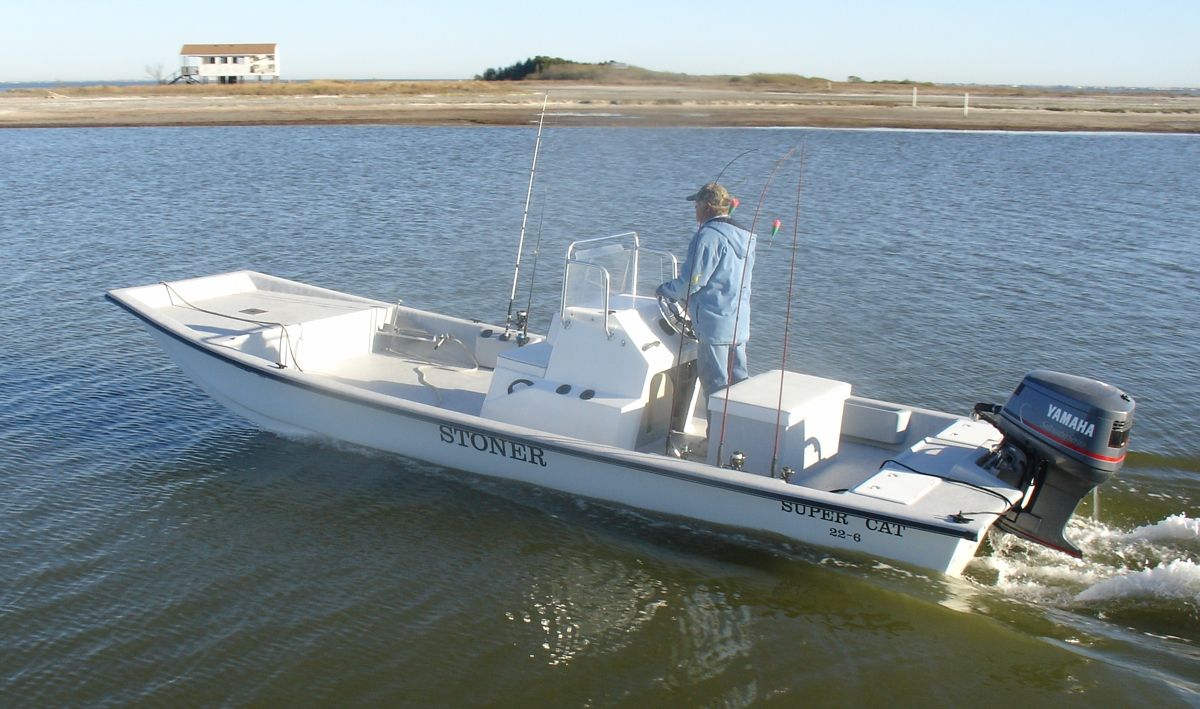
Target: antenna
{"points": [[787, 318], [524, 219]]}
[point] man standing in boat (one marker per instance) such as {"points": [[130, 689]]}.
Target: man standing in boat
{"points": [[714, 284]]}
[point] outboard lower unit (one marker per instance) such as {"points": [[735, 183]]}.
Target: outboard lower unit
{"points": [[1063, 436]]}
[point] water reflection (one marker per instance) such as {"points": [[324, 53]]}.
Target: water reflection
{"points": [[713, 635], [575, 604]]}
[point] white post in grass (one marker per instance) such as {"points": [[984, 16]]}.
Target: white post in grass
{"points": [[966, 103], [914, 97]]}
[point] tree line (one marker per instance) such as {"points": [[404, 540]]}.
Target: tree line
{"points": [[533, 67]]}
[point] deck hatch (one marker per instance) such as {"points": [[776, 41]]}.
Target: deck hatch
{"points": [[896, 485]]}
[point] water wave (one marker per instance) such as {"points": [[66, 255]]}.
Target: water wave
{"points": [[1153, 563], [1177, 580], [1178, 527]]}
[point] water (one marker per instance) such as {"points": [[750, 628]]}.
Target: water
{"points": [[159, 551]]}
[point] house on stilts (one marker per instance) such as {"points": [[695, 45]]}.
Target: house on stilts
{"points": [[226, 63]]}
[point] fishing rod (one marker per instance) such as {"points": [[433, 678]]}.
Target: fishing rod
{"points": [[537, 249], [523, 318], [524, 219], [722, 172], [738, 312], [787, 318]]}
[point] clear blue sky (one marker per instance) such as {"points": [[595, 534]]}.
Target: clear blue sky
{"points": [[1070, 42]]}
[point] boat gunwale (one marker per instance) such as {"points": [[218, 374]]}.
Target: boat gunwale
{"points": [[618, 455]]}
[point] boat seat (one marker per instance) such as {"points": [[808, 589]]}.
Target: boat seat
{"points": [[877, 422], [555, 408], [530, 359]]}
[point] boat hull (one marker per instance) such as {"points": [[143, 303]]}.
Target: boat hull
{"points": [[292, 404]]}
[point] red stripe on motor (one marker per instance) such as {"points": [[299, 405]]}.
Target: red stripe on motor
{"points": [[1075, 448]]}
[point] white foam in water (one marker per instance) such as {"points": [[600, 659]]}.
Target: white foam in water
{"points": [[1151, 562], [1179, 579], [1173, 527]]}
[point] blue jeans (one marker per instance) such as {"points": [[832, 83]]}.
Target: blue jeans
{"points": [[712, 366]]}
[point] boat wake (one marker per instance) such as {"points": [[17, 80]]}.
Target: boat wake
{"points": [[1151, 567]]}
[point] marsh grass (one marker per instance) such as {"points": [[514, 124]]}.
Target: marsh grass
{"points": [[609, 74], [578, 73]]}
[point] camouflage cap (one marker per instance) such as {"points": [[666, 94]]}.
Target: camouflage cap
{"points": [[713, 194]]}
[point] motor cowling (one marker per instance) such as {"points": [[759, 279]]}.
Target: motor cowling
{"points": [[1063, 436]]}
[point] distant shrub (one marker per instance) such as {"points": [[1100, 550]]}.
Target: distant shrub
{"points": [[541, 67], [794, 80], [905, 82]]}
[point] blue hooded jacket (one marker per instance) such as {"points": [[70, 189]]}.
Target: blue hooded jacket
{"points": [[719, 252]]}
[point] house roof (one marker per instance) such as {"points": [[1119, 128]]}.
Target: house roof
{"points": [[205, 50]]}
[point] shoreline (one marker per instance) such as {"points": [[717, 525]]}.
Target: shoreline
{"points": [[642, 106]]}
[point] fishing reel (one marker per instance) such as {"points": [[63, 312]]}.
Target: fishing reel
{"points": [[675, 318]]}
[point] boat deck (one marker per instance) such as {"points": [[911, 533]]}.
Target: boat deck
{"points": [[939, 453], [411, 379]]}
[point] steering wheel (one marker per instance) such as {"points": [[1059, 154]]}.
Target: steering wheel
{"points": [[675, 317]]}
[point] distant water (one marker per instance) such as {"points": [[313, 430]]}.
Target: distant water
{"points": [[155, 550], [9, 85]]}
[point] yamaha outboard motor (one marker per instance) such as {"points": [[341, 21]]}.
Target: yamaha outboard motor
{"points": [[1063, 436]]}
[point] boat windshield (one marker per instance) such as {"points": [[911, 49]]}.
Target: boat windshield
{"points": [[603, 269]]}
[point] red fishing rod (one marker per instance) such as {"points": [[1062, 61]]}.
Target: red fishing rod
{"points": [[738, 312], [787, 318]]}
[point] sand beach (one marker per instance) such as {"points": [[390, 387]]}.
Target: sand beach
{"points": [[849, 105]]}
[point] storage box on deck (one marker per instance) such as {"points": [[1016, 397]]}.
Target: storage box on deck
{"points": [[810, 420]]}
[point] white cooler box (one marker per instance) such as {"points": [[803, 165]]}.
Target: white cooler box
{"points": [[811, 420]]}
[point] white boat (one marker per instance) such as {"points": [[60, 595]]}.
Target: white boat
{"points": [[587, 408]]}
